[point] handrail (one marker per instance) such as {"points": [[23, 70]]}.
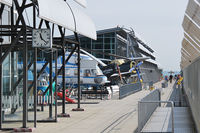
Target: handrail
{"points": [[172, 109]]}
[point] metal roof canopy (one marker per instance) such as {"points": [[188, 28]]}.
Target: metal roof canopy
{"points": [[190, 49], [192, 32], [182, 58], [191, 27], [6, 2], [193, 10], [183, 53], [61, 13], [182, 49], [83, 3], [195, 42], [186, 57]]}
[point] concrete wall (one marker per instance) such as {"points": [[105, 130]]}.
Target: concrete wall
{"points": [[191, 82]]}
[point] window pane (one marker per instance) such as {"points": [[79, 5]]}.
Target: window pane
{"points": [[109, 35], [97, 46]]}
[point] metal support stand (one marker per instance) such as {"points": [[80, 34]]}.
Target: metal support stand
{"points": [[63, 114], [35, 86], [50, 82], [35, 73], [25, 77], [1, 92], [56, 72], [79, 88]]}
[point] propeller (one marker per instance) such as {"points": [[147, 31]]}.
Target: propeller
{"points": [[136, 68]]}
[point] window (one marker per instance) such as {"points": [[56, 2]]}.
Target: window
{"points": [[75, 72], [67, 72], [94, 72], [109, 35], [109, 40], [87, 73], [85, 43], [97, 46]]}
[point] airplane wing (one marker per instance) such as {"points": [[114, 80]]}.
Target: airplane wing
{"points": [[139, 58], [135, 75], [123, 73]]}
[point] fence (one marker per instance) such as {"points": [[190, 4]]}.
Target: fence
{"points": [[17, 101], [146, 110], [128, 89], [150, 103]]}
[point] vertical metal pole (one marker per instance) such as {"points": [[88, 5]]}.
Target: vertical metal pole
{"points": [[50, 82], [35, 86], [35, 72], [180, 94], [172, 117], [12, 57], [56, 73], [101, 92], [79, 66], [12, 53], [1, 91], [25, 77], [63, 80], [79, 89], [139, 121]]}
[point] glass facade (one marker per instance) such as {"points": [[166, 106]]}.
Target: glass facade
{"points": [[121, 47], [109, 42], [105, 43], [9, 76], [9, 73]]}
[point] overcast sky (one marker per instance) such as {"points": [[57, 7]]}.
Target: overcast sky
{"points": [[158, 22]]}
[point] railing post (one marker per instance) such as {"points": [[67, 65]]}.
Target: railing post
{"points": [[139, 127], [172, 116]]}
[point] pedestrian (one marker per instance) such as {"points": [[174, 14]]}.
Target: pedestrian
{"points": [[170, 78], [166, 78]]}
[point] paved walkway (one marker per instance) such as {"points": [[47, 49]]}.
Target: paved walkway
{"points": [[113, 116]]}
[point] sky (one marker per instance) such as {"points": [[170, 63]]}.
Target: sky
{"points": [[158, 22]]}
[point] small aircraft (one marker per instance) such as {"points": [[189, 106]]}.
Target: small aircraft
{"points": [[91, 74], [120, 70]]}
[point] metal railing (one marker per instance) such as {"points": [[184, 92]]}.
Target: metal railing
{"points": [[145, 116]]}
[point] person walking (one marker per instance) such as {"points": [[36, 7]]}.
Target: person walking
{"points": [[170, 78]]}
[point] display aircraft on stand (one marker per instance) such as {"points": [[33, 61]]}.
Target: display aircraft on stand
{"points": [[123, 71], [91, 74]]}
